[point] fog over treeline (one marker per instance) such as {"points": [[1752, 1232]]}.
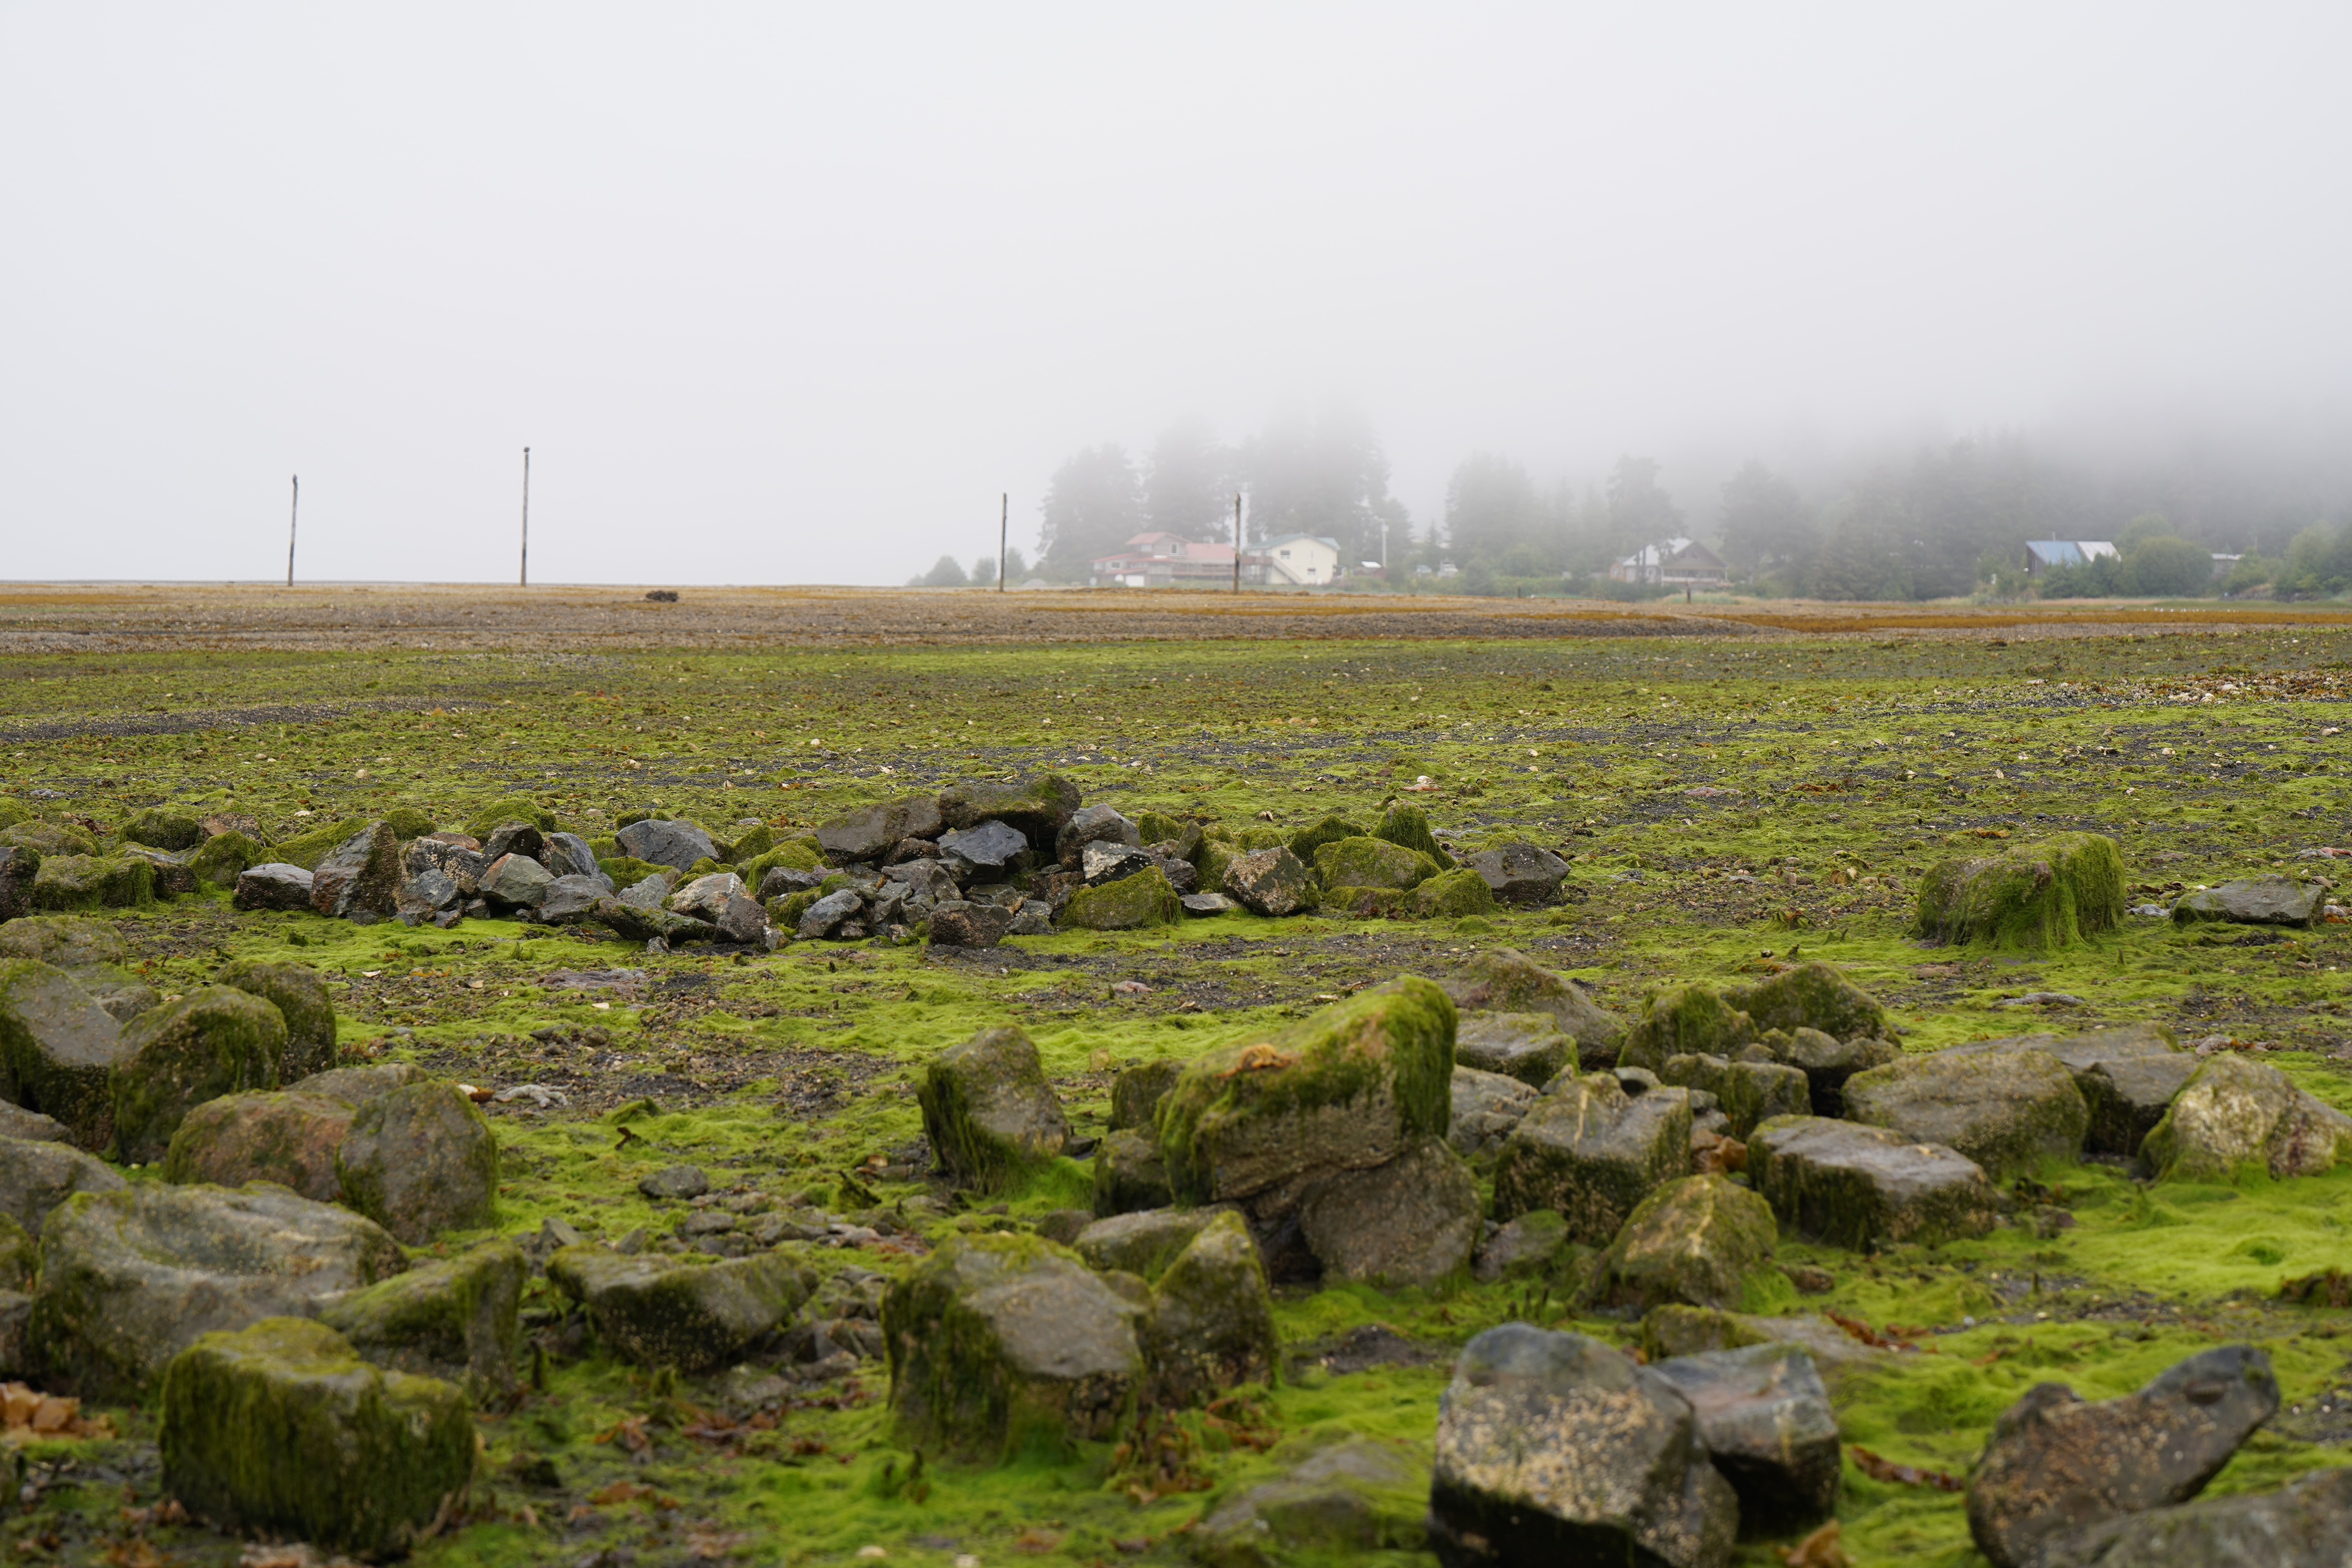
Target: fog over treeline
{"points": [[796, 294]]}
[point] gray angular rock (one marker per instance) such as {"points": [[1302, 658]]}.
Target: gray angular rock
{"points": [[829, 915], [1130, 1174], [872, 832], [567, 855], [926, 876], [1095, 824], [783, 881], [1108, 862], [1486, 1108], [1271, 882], [1137, 1092], [743, 920], [360, 1085], [31, 1126], [2266, 901], [987, 1108], [515, 881], [37, 1177], [2055, 1465], [675, 1183], [1553, 1447], [457, 1319], [1349, 1500], [287, 1137], [419, 1160], [426, 893], [1145, 1242], [1212, 1320], [360, 877], [1827, 1061], [215, 1040], [2008, 1110], [274, 886], [453, 855], [1593, 1152], [1527, 1247], [299, 994], [1410, 1222], [707, 897], [2235, 1115], [574, 900], [1505, 981], [1747, 1091], [1201, 906], [1031, 918], [1037, 806], [58, 1050], [991, 847], [1851, 1184], [677, 845], [2304, 1524], [130, 1278], [649, 893], [656, 1312], [1520, 873], [1768, 1428], [1530, 1046], [956, 923], [2128, 1077], [523, 838]]}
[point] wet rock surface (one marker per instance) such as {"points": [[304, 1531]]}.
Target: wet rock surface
{"points": [[1852, 1184], [1770, 1430]]}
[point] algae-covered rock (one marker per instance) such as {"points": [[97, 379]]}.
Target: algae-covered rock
{"points": [[289, 1137], [2006, 1110], [457, 1319], [1486, 1108], [1137, 1092], [1339, 1504], [1769, 1429], [1131, 903], [299, 994], [2270, 900], [513, 809], [1593, 1152], [19, 868], [1331, 829], [1747, 1092], [130, 1277], [37, 1177], [1688, 1020], [360, 878], [2128, 1076], [1827, 1061], [1851, 1184], [1212, 1321], [20, 1260], [2304, 1524], [987, 1108], [1535, 1246], [1410, 1222], [1811, 995], [360, 1085], [63, 942], [1702, 1241], [48, 838], [281, 1427], [1529, 1046], [660, 1311], [31, 1126], [1451, 895], [1001, 1345], [1408, 827], [1362, 862], [220, 860], [2233, 1116], [1504, 982], [57, 1047], [1143, 1242], [1037, 806], [2050, 894], [419, 1160], [1272, 882], [1130, 1173], [68, 882], [160, 828], [1520, 874], [1553, 1447], [1344, 1089], [214, 1040]]}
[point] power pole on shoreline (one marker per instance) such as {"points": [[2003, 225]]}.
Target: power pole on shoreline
{"points": [[1237, 542], [524, 579], [1003, 521], [293, 518]]}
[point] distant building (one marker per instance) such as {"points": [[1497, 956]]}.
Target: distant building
{"points": [[1162, 560], [1296, 559], [1672, 563], [2225, 564], [2040, 554]]}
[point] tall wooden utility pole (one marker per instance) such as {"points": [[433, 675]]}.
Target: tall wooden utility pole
{"points": [[1237, 542], [293, 518], [525, 578], [1003, 521]]}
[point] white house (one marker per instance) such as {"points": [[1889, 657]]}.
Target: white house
{"points": [[1300, 560], [1672, 563]]}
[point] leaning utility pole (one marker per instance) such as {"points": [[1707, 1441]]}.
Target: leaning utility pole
{"points": [[1237, 542], [524, 580], [293, 518], [1003, 521]]}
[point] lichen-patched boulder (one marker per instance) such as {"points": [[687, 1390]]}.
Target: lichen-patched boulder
{"points": [[58, 1050], [1130, 1174], [1486, 1106], [1702, 1241], [457, 1319], [681, 1312], [360, 880], [2050, 894], [130, 1277], [987, 1108], [213, 1041], [1688, 1020], [2128, 1077], [1130, 903], [1851, 1184], [1369, 863], [1212, 1323], [1811, 995], [1768, 1428], [1593, 1152], [1272, 882], [289, 1137], [1143, 1242], [1747, 1091], [281, 1427], [2007, 1110], [2304, 1524], [1344, 1089], [1553, 1447], [419, 1160], [2233, 1116], [1001, 1345]]}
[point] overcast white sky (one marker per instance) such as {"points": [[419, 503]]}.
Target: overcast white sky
{"points": [[792, 293]]}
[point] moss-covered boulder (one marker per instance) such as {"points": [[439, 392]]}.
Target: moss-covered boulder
{"points": [[1451, 895], [1535, 1246], [299, 994], [34, 1178], [1137, 1092], [161, 827], [2008, 1110], [988, 1109], [57, 1047], [220, 860], [1004, 1345], [1212, 1320], [307, 849], [1331, 829], [1037, 806], [1505, 981], [1340, 1503], [1827, 1061], [2235, 1116], [20, 1262], [1410, 1222], [48, 838], [1747, 1092], [2128, 1076], [1130, 1174], [1132, 903], [1810, 997], [1852, 1186], [68, 882], [1362, 862], [1346, 1089], [1688, 1020], [681, 1312], [1702, 1241], [2049, 894], [457, 1319], [1271, 882], [130, 1277], [420, 1161], [512, 808], [1770, 1430], [19, 870], [1530, 1046], [215, 1040], [282, 1428], [1408, 827], [1143, 1242], [288, 1136], [1593, 1152], [64, 942], [361, 1084]]}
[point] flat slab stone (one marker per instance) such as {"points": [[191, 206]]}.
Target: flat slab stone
{"points": [[1530, 1046], [2265, 900], [1852, 1184]]}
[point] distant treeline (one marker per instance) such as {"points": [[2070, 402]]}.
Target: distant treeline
{"points": [[1946, 521]]}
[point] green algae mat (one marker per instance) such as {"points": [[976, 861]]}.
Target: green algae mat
{"points": [[1729, 804]]}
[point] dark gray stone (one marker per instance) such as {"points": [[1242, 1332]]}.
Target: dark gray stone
{"points": [[1486, 1108], [677, 845], [2128, 1078], [1768, 1428], [1272, 882], [1530, 1046], [18, 866], [1410, 1222], [567, 855], [1593, 1152], [1827, 1061], [782, 881], [516, 882], [652, 893], [829, 914], [987, 1108], [1102, 861], [1520, 873], [742, 920], [360, 878], [426, 892], [957, 923], [2304, 1524], [455, 856], [276, 885], [570, 900], [521, 838], [675, 1183], [1095, 824], [2265, 900], [36, 1177], [990, 847], [1851, 1184], [1201, 906]]}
